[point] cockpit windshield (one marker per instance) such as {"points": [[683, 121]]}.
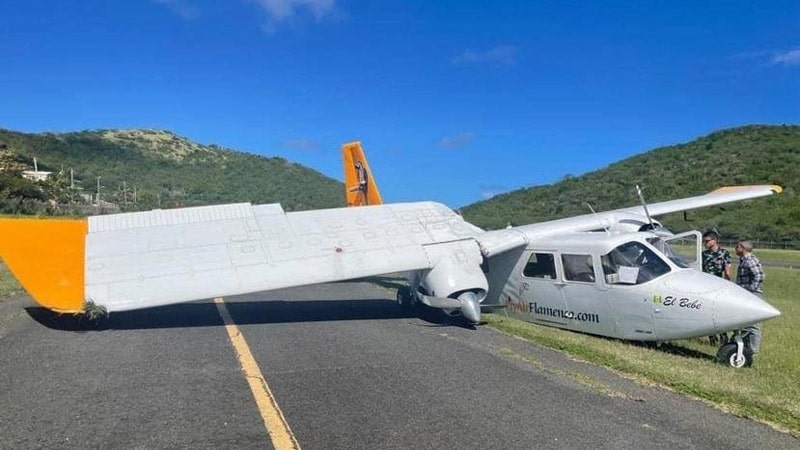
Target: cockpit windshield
{"points": [[662, 246], [632, 263]]}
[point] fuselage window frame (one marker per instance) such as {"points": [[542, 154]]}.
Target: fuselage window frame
{"points": [[540, 265], [578, 267]]}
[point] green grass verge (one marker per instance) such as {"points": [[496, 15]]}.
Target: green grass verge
{"points": [[769, 391], [8, 284], [768, 255]]}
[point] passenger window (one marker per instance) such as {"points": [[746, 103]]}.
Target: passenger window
{"points": [[632, 263], [578, 268], [540, 265]]}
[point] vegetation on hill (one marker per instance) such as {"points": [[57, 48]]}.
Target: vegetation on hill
{"points": [[747, 155], [160, 168], [165, 170]]}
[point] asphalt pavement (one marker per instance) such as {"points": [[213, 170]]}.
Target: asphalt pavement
{"points": [[347, 368]]}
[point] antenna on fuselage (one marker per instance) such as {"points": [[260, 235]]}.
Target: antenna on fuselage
{"points": [[644, 205], [595, 214]]}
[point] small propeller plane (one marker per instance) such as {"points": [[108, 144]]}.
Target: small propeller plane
{"points": [[612, 273]]}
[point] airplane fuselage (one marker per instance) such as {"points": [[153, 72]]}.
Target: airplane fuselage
{"points": [[618, 286]]}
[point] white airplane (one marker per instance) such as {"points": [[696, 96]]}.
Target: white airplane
{"points": [[594, 273]]}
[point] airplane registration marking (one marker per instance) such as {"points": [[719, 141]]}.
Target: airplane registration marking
{"points": [[278, 429]]}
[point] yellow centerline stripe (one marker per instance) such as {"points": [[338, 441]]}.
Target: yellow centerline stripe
{"points": [[277, 428]]}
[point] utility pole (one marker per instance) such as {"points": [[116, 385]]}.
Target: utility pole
{"points": [[98, 191]]}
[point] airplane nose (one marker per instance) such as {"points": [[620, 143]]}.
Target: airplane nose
{"points": [[736, 308]]}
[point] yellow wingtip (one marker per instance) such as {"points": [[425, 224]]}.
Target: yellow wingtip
{"points": [[47, 258], [773, 187]]}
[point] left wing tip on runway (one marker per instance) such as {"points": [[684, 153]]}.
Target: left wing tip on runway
{"points": [[47, 258]]}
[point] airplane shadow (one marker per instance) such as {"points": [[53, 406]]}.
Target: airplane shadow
{"points": [[205, 314], [673, 348], [387, 282]]}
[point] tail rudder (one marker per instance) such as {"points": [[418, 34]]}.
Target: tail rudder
{"points": [[360, 188]]}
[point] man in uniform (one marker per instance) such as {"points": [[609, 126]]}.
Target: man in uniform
{"points": [[716, 261]]}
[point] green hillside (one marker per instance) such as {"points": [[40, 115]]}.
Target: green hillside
{"points": [[164, 170], [167, 170], [747, 155]]}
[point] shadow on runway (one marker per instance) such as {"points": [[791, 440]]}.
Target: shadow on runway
{"points": [[205, 314]]}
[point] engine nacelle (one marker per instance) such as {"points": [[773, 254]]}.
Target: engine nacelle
{"points": [[456, 282]]}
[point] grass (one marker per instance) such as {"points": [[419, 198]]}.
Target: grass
{"points": [[8, 284], [769, 391], [769, 255]]}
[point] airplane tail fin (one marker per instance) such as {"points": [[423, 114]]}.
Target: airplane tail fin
{"points": [[360, 188], [47, 258]]}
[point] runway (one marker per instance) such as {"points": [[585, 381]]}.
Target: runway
{"points": [[345, 368]]}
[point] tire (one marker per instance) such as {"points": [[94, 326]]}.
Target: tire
{"points": [[404, 296], [727, 355]]}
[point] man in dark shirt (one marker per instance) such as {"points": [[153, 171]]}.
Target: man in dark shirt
{"points": [[750, 276], [716, 261]]}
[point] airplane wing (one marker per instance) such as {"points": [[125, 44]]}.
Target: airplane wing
{"points": [[630, 219], [144, 259], [727, 194]]}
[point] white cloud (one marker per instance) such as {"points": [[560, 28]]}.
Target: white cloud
{"points": [[303, 145], [180, 7], [790, 58], [279, 11], [457, 141], [505, 55]]}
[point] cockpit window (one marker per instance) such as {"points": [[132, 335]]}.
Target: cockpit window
{"points": [[632, 263], [540, 265], [671, 253]]}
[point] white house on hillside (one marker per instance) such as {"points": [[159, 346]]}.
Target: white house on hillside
{"points": [[35, 174]]}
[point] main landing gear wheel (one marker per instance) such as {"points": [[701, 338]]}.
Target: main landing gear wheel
{"points": [[404, 298], [727, 354]]}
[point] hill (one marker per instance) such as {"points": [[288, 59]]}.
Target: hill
{"points": [[167, 170], [755, 154]]}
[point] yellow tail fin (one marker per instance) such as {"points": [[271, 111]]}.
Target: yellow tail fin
{"points": [[359, 186]]}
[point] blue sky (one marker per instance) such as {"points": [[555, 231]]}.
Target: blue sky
{"points": [[453, 100]]}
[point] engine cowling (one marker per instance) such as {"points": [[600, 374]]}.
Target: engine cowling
{"points": [[456, 283]]}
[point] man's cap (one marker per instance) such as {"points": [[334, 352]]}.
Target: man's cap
{"points": [[711, 233]]}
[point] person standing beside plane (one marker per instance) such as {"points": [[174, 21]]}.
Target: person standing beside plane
{"points": [[750, 276], [716, 261]]}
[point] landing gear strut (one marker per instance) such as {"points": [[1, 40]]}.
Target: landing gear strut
{"points": [[405, 298], [736, 352]]}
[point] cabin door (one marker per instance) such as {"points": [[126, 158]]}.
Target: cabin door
{"points": [[539, 290], [585, 297]]}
